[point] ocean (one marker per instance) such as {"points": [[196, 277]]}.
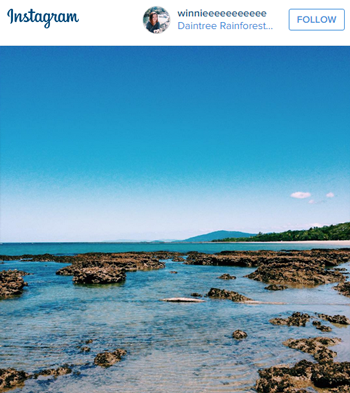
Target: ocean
{"points": [[172, 347]]}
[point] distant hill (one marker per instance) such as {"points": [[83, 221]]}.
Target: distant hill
{"points": [[331, 232], [218, 235]]}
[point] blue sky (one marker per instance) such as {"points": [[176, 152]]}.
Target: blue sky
{"points": [[106, 143]]}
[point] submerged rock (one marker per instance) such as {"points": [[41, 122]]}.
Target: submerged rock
{"points": [[226, 276], [11, 283], [324, 328], [339, 319], [11, 378], [173, 272], [239, 334], [315, 346], [296, 319], [99, 275], [229, 295], [107, 359], [195, 294], [85, 349], [343, 288], [275, 287], [54, 372]]}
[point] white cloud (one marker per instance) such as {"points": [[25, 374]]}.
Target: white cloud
{"points": [[330, 195], [312, 201], [300, 195]]}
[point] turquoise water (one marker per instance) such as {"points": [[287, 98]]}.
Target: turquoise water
{"points": [[75, 248], [172, 347]]}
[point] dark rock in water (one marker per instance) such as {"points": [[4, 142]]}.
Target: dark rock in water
{"points": [[89, 341], [226, 276], [85, 349], [239, 334], [54, 372], [335, 377], [275, 287], [99, 275], [343, 288], [195, 294], [106, 359], [229, 295], [11, 283], [340, 319], [316, 323], [324, 328], [316, 257], [315, 346], [130, 261], [296, 319], [332, 375], [295, 273], [173, 272], [11, 378], [284, 379]]}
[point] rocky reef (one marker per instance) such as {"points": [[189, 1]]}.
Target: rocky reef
{"points": [[239, 334], [275, 287], [296, 319], [335, 377], [316, 346], [99, 275], [227, 276], [295, 273], [11, 283], [317, 257], [338, 319], [228, 295], [107, 359], [343, 288], [11, 378]]}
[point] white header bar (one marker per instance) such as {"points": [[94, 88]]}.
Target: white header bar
{"points": [[269, 22]]}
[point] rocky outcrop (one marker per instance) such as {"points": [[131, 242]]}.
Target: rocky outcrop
{"points": [[11, 378], [275, 287], [229, 295], [99, 275], [296, 319], [11, 283], [315, 346], [107, 359], [335, 377], [129, 261], [343, 288], [317, 257], [239, 334], [196, 294], [54, 372], [295, 273], [226, 276], [339, 319]]}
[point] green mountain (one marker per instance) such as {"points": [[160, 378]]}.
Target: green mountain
{"points": [[212, 236], [331, 232]]}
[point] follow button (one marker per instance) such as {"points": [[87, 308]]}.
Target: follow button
{"points": [[316, 19]]}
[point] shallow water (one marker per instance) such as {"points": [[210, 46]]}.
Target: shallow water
{"points": [[172, 347]]}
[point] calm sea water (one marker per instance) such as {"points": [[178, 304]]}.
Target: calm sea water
{"points": [[172, 347]]}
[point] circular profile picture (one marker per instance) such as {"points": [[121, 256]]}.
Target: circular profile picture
{"points": [[156, 20]]}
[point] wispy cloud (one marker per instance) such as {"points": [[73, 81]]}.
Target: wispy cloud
{"points": [[312, 201], [300, 195], [330, 195]]}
